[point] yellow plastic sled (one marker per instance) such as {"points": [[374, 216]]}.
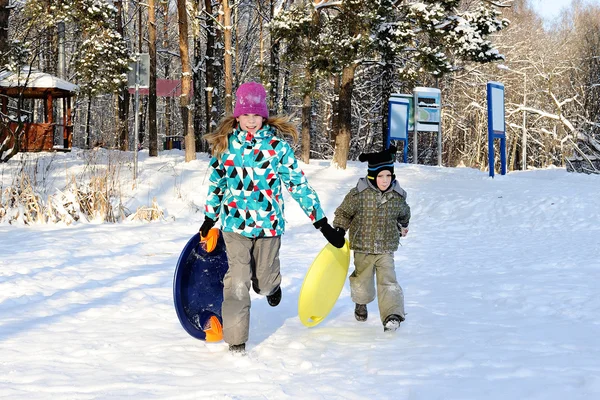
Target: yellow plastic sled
{"points": [[323, 284]]}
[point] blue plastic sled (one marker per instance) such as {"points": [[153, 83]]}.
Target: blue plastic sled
{"points": [[198, 288]]}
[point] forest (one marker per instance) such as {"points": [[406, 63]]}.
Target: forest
{"points": [[330, 65]]}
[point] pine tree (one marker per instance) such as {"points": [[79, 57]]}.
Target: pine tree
{"points": [[407, 38], [103, 59]]}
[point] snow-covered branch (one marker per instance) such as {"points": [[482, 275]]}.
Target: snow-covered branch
{"points": [[318, 4]]}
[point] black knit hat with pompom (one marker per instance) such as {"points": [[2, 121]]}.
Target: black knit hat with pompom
{"points": [[384, 160]]}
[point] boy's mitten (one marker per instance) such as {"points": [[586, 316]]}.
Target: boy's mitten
{"points": [[206, 226], [335, 236]]}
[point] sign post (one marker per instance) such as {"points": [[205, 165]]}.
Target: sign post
{"points": [[138, 77], [496, 125]]}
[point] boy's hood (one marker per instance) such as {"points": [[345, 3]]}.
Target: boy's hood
{"points": [[364, 183]]}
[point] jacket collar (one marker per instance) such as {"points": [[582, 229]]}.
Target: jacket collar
{"points": [[245, 137]]}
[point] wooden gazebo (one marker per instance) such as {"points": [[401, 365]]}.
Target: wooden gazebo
{"points": [[32, 84]]}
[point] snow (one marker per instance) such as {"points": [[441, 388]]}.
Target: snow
{"points": [[35, 79], [499, 275]]}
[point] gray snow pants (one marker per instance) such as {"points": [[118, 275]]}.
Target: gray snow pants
{"points": [[390, 297], [251, 262]]}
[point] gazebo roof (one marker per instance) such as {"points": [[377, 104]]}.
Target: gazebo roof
{"points": [[35, 84]]}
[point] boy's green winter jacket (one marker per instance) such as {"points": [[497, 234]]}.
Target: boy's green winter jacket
{"points": [[245, 185], [372, 218]]}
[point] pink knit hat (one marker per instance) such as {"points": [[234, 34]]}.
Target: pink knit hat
{"points": [[251, 98]]}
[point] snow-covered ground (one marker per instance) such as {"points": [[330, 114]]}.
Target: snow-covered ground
{"points": [[500, 279]]}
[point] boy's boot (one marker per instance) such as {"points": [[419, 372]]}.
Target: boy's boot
{"points": [[360, 312], [237, 348], [392, 322], [275, 298]]}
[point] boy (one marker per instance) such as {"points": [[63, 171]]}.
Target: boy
{"points": [[376, 214]]}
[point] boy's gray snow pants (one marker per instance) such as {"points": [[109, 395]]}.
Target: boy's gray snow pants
{"points": [[251, 262], [362, 287]]}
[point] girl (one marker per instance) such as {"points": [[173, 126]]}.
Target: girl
{"points": [[250, 162]]}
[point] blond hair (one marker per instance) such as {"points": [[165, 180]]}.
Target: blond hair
{"points": [[219, 139]]}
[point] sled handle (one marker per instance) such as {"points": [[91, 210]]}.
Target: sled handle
{"points": [[209, 242], [214, 332]]}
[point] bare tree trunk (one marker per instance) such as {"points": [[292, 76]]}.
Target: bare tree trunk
{"points": [[49, 46], [152, 132], [274, 69], [285, 96], [261, 47], [342, 138], [335, 109], [139, 21], [387, 81], [218, 98], [228, 59], [4, 14], [211, 83], [167, 68], [123, 95], [306, 119], [141, 108], [309, 88], [87, 122], [237, 48], [186, 83], [197, 80], [143, 119]]}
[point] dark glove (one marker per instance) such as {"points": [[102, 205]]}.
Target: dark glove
{"points": [[335, 236], [206, 226]]}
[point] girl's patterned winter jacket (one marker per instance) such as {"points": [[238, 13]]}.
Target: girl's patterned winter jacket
{"points": [[373, 218], [245, 185]]}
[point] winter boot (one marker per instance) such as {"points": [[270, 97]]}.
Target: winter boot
{"points": [[392, 322], [275, 298], [360, 312], [237, 348]]}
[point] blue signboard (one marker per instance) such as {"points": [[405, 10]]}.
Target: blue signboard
{"points": [[411, 114], [496, 125], [398, 119]]}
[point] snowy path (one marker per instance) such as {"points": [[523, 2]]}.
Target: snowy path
{"points": [[500, 278]]}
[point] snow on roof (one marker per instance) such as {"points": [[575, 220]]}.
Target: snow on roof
{"points": [[427, 89], [35, 79]]}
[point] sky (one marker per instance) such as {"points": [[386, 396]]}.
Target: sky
{"points": [[500, 277], [550, 9]]}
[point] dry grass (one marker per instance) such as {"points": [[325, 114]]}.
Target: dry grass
{"points": [[20, 203], [93, 196], [151, 213]]}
